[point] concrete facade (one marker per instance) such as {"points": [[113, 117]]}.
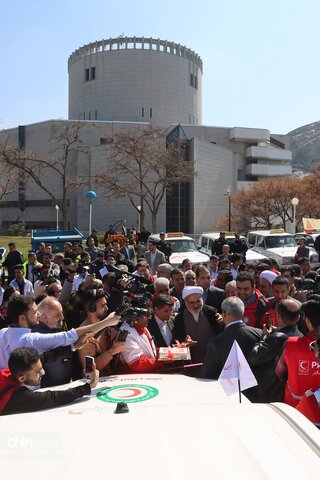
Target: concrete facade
{"points": [[135, 79], [124, 84]]}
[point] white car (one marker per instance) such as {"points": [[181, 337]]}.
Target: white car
{"points": [[206, 240], [182, 247], [277, 244]]}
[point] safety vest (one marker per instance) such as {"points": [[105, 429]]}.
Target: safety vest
{"points": [[303, 369], [250, 311], [7, 387], [310, 407]]}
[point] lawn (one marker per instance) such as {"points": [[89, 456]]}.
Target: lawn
{"points": [[23, 244]]}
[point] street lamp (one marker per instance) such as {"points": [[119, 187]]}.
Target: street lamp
{"points": [[90, 196], [294, 203], [57, 210], [139, 218], [228, 193]]}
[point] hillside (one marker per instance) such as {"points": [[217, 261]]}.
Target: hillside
{"points": [[305, 146]]}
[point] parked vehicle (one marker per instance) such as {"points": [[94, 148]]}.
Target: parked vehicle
{"points": [[277, 244], [182, 247], [206, 241], [55, 237]]}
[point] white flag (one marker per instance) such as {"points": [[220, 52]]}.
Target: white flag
{"points": [[236, 368]]}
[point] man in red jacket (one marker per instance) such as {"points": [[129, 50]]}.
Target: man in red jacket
{"points": [[309, 405], [25, 369], [297, 364], [255, 304]]}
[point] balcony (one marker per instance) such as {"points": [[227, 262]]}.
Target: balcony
{"points": [[269, 153], [267, 170], [250, 135]]}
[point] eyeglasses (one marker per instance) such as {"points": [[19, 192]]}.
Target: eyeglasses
{"points": [[197, 302]]}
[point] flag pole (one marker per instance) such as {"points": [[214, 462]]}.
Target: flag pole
{"points": [[239, 386]]}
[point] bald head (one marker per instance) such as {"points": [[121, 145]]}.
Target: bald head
{"points": [[51, 313], [288, 312]]}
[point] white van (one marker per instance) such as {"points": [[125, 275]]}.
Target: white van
{"points": [[277, 244], [206, 241], [182, 247]]}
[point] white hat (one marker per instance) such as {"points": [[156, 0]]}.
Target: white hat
{"points": [[268, 275], [191, 290]]}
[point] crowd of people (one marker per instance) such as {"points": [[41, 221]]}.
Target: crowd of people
{"points": [[120, 307]]}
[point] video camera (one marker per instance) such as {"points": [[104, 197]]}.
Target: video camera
{"points": [[130, 312], [307, 284], [134, 284]]}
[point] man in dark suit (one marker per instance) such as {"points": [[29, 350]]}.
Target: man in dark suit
{"points": [[212, 296], [129, 254], [161, 323], [235, 329], [128, 250], [154, 257]]}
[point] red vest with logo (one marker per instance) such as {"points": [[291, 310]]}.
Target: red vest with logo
{"points": [[303, 369], [250, 311], [309, 407], [7, 387]]}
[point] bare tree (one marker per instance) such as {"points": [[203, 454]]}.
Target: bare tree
{"points": [[143, 169], [8, 178], [35, 167]]}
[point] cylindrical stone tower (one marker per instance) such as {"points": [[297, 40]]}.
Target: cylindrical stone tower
{"points": [[136, 80]]}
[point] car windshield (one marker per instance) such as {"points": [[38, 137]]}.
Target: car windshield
{"points": [[280, 241], [183, 246]]}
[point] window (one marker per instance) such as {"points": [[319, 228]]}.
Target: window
{"points": [[204, 242], [191, 79], [196, 81], [96, 114], [150, 112], [142, 112], [90, 74]]}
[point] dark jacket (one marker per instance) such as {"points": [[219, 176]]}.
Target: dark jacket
{"points": [[12, 259], [179, 332], [61, 365], [24, 400], [263, 359], [219, 348], [214, 297], [156, 333]]}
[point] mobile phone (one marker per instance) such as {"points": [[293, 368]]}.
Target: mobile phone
{"points": [[268, 321], [88, 365], [122, 337]]}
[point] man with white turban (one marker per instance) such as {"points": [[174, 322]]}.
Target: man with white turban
{"points": [[265, 281], [197, 322]]}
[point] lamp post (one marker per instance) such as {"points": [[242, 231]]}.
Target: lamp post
{"points": [[57, 210], [139, 218], [294, 203], [90, 196], [228, 193]]}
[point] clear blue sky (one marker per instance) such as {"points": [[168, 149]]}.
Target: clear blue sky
{"points": [[261, 58]]}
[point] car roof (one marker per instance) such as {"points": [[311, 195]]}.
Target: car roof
{"points": [[189, 430], [267, 233]]}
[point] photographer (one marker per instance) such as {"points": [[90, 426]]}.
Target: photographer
{"points": [[25, 369], [105, 345]]}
